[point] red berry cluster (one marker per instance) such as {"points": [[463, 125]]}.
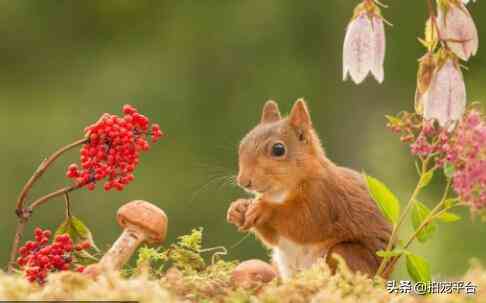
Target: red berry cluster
{"points": [[38, 258], [113, 149]]}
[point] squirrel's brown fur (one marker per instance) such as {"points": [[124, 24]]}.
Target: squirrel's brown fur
{"points": [[305, 199]]}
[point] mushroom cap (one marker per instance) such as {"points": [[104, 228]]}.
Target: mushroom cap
{"points": [[252, 273], [147, 217]]}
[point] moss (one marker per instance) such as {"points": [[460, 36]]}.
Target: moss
{"points": [[189, 279], [213, 285]]}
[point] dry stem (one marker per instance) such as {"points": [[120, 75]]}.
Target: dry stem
{"points": [[23, 212]]}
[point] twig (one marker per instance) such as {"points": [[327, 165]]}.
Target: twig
{"points": [[42, 168], [67, 205], [18, 236], [26, 215], [59, 192], [23, 213]]}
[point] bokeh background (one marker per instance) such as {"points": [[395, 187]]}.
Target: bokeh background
{"points": [[203, 69]]}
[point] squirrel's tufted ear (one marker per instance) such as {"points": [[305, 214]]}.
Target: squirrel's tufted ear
{"points": [[299, 115], [270, 112]]}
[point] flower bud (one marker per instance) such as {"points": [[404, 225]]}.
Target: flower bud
{"points": [[364, 44], [424, 78], [457, 28]]}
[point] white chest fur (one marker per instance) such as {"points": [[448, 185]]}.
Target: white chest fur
{"points": [[292, 257]]}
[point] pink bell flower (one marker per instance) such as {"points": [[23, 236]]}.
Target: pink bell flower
{"points": [[364, 44], [457, 28]]}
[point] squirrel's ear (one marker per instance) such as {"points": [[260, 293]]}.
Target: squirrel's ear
{"points": [[299, 115], [270, 112]]}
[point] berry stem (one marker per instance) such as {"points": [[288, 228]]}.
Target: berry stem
{"points": [[23, 213], [42, 168], [59, 192], [67, 201], [18, 237]]}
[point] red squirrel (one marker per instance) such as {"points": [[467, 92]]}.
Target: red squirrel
{"points": [[305, 207]]}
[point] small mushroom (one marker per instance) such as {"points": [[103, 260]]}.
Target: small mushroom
{"points": [[141, 222], [252, 273]]}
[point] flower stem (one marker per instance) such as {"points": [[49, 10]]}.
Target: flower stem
{"points": [[24, 213], [384, 263], [434, 213]]}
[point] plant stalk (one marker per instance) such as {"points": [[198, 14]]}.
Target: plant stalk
{"points": [[434, 213], [384, 263], [24, 213]]}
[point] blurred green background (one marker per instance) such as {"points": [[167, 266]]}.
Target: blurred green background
{"points": [[203, 70]]}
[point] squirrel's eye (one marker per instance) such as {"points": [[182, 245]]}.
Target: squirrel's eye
{"points": [[278, 150]]}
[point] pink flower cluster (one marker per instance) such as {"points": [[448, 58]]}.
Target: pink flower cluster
{"points": [[463, 149], [466, 152], [113, 149]]}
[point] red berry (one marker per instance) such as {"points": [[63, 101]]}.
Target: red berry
{"points": [[62, 238], [21, 261], [68, 247], [90, 186], [23, 251], [30, 245], [45, 250], [44, 260], [86, 245], [128, 109], [37, 231]]}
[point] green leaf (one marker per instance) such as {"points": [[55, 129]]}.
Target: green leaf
{"points": [[448, 203], [426, 178], [77, 230], [387, 201], [418, 268], [449, 170], [392, 253], [84, 258], [423, 42], [448, 217], [392, 119], [419, 213]]}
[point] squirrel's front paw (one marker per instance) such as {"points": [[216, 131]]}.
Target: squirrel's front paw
{"points": [[236, 212], [256, 215]]}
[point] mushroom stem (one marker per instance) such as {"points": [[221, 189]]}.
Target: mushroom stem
{"points": [[123, 248], [141, 222]]}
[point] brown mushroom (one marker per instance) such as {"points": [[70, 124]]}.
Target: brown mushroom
{"points": [[252, 273], [141, 222]]}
